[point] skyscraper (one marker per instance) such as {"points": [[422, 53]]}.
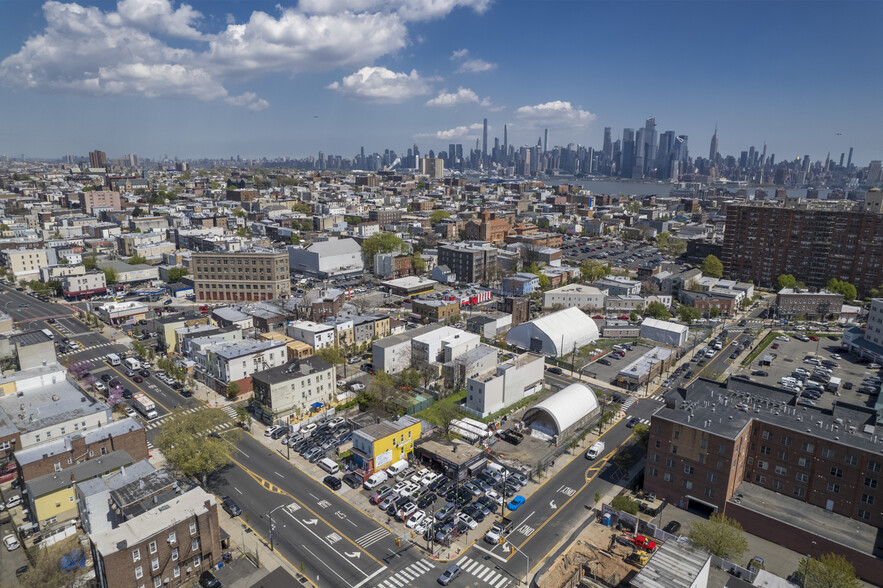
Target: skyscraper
{"points": [[628, 153], [484, 141], [99, 158], [505, 143], [649, 147], [546, 141], [607, 149], [712, 153], [849, 159]]}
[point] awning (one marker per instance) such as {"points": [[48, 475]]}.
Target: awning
{"points": [[317, 405]]}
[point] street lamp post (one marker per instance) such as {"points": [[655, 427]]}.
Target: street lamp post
{"points": [[526, 563], [272, 526]]}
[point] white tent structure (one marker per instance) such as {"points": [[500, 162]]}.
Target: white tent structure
{"points": [[557, 413], [555, 334]]}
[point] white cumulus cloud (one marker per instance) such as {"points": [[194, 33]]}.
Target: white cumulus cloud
{"points": [[470, 65], [461, 96], [379, 84], [250, 100], [464, 132], [411, 10], [555, 114]]}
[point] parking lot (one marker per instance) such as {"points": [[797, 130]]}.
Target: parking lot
{"points": [[608, 373], [790, 355]]}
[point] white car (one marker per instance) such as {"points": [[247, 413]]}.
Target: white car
{"points": [[418, 476], [11, 543], [14, 501], [781, 338], [873, 366], [415, 519], [836, 356], [270, 430], [495, 496], [470, 522], [423, 525], [130, 412]]}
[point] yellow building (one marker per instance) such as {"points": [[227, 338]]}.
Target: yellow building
{"points": [[52, 497], [378, 446], [296, 349]]}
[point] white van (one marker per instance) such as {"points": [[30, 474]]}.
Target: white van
{"points": [[595, 450], [397, 468], [329, 465], [133, 364], [376, 479]]}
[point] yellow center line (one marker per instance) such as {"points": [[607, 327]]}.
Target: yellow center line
{"points": [[310, 510], [134, 383]]}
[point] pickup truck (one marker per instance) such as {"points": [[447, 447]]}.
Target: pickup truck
{"points": [[498, 532], [642, 542]]}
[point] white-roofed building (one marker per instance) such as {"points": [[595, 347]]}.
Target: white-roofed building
{"points": [[574, 296], [665, 332], [562, 412], [555, 334], [674, 565], [327, 258]]}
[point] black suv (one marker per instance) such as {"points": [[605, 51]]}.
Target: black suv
{"points": [[231, 507], [208, 580]]}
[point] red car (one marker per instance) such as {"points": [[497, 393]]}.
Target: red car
{"points": [[775, 345], [624, 317], [598, 317], [813, 338]]}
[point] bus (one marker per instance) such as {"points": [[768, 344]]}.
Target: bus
{"points": [[113, 359]]}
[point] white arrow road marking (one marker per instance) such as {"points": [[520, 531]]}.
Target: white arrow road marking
{"points": [[354, 554], [312, 522], [553, 505]]}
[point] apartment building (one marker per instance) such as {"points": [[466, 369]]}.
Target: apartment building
{"points": [[487, 228], [294, 387], [242, 276], [316, 335], [574, 296], [162, 543], [713, 445], [100, 199], [508, 383], [762, 242], [436, 310], [812, 304], [470, 261], [235, 361], [77, 287], [26, 263]]}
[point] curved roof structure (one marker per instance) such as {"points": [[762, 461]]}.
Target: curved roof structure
{"points": [[559, 332], [566, 407]]}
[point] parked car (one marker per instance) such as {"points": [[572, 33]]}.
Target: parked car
{"points": [[516, 503], [331, 482], [231, 507], [352, 480], [672, 527], [208, 580]]}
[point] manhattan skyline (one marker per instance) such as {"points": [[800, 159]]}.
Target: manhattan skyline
{"points": [[211, 79]]}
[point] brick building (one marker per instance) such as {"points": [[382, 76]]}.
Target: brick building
{"points": [[487, 228], [809, 303], [471, 261], [436, 310], [242, 276], [813, 244]]}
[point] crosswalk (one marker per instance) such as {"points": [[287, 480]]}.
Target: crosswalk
{"points": [[485, 574], [408, 575], [627, 402], [372, 537], [229, 410], [69, 351]]}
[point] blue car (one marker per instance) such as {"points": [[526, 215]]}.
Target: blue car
{"points": [[516, 502]]}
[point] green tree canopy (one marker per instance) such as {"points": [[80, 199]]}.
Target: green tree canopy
{"points": [[720, 536], [592, 270], [662, 239], [382, 243], [827, 571], [657, 310], [677, 246], [545, 282], [713, 312], [625, 504], [641, 434], [712, 267], [785, 281], [192, 454], [232, 390], [331, 355], [409, 378], [137, 211], [633, 207], [137, 260], [110, 275], [176, 273], [842, 287], [418, 263], [90, 262], [688, 314], [438, 216]]}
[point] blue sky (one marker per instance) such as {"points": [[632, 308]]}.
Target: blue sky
{"points": [[255, 78]]}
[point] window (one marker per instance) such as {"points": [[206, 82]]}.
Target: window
{"points": [[833, 487], [677, 435], [657, 444], [766, 435], [722, 450], [654, 458], [176, 572], [801, 477], [196, 561], [669, 463], [709, 492], [762, 464], [711, 478], [828, 453], [764, 450], [654, 472], [157, 582], [781, 471], [808, 447], [783, 456], [136, 555], [175, 554], [195, 545], [674, 449], [803, 462], [172, 537], [837, 472], [193, 528], [851, 460], [702, 458], [154, 564], [760, 479], [688, 469], [870, 482], [868, 498], [138, 572], [786, 440], [777, 484], [152, 547], [688, 484], [799, 492], [873, 466], [667, 477]]}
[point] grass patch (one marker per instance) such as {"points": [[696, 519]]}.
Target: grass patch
{"points": [[433, 415], [767, 340], [520, 404]]}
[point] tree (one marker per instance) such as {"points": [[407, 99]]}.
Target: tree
{"points": [[642, 435], [232, 390], [242, 414], [137, 211], [46, 571], [188, 452], [677, 246], [382, 243], [828, 571], [746, 302], [545, 282], [591, 270], [662, 239], [633, 207], [242, 233], [877, 292], [110, 275], [418, 263], [625, 504], [633, 317], [90, 262], [382, 389], [657, 310], [447, 412], [688, 314], [409, 378], [713, 312], [438, 216], [712, 267], [720, 536], [331, 355], [114, 396], [137, 260], [239, 213], [785, 281], [176, 273], [842, 287]]}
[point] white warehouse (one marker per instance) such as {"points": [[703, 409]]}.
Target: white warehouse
{"points": [[327, 258], [665, 332], [555, 334]]}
